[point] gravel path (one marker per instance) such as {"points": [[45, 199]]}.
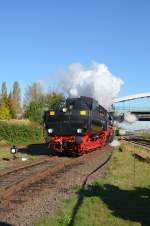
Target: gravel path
{"points": [[26, 206]]}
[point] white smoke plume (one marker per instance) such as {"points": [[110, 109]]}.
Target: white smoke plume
{"points": [[97, 82], [114, 143], [124, 117], [122, 132], [129, 117]]}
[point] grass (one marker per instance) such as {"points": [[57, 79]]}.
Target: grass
{"points": [[17, 121], [145, 151], [5, 152], [145, 135], [5, 156], [31, 152], [122, 198]]}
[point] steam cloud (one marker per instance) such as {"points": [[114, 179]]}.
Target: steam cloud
{"points": [[130, 118], [114, 143], [125, 117], [97, 82]]}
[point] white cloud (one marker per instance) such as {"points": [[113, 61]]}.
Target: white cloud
{"points": [[97, 82]]}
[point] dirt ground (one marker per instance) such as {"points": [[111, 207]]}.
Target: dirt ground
{"points": [[43, 198]]}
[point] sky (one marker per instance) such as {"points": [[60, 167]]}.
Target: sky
{"points": [[38, 38]]}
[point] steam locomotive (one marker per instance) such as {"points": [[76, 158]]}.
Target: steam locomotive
{"points": [[80, 126]]}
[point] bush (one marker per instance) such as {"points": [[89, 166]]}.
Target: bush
{"points": [[4, 113], [21, 134]]}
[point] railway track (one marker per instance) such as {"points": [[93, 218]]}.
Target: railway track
{"points": [[25, 166], [25, 193], [22, 177], [138, 141]]}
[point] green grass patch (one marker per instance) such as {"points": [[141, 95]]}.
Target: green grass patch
{"points": [[122, 198], [5, 156], [135, 149], [4, 152], [145, 135]]}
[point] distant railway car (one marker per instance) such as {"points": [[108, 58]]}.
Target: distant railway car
{"points": [[78, 127]]}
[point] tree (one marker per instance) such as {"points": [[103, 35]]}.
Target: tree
{"points": [[4, 98], [34, 111], [36, 101], [4, 113], [33, 92], [15, 99], [10, 105], [4, 90], [54, 100]]}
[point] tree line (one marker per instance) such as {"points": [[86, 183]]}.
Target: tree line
{"points": [[34, 103]]}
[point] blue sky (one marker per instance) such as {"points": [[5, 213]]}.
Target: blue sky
{"points": [[40, 37]]}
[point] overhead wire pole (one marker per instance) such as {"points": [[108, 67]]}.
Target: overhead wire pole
{"points": [[134, 172]]}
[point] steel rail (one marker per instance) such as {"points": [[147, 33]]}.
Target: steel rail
{"points": [[35, 163], [21, 182], [138, 141]]}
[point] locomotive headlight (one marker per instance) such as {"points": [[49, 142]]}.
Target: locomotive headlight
{"points": [[50, 130], [79, 130], [64, 109]]}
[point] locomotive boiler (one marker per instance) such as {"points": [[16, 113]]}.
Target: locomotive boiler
{"points": [[80, 126]]}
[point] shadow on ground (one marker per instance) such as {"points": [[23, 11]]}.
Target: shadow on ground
{"points": [[5, 224], [42, 149], [133, 205], [35, 149]]}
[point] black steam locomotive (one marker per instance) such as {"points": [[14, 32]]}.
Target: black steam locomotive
{"points": [[79, 126]]}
